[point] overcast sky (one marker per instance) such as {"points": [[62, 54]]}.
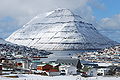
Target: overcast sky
{"points": [[15, 13]]}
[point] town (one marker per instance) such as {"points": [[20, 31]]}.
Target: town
{"points": [[59, 40], [14, 60]]}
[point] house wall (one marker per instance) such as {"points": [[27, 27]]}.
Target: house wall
{"points": [[47, 67], [103, 71], [63, 69], [25, 64], [69, 70], [34, 65], [39, 68], [0, 69], [54, 73], [95, 71], [92, 72], [72, 70], [19, 65]]}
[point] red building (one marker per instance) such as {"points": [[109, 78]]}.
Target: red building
{"points": [[53, 70], [44, 67]]}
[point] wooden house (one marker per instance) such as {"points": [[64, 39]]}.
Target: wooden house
{"points": [[44, 67]]}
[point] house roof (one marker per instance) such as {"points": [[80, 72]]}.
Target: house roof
{"points": [[42, 64], [104, 64], [99, 65], [54, 64], [68, 61]]}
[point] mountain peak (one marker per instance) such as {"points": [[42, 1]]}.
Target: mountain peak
{"points": [[62, 12], [62, 9], [60, 29], [56, 16], [59, 16]]}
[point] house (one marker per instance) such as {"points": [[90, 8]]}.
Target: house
{"points": [[0, 69], [50, 69], [92, 72], [34, 63], [67, 70], [69, 66], [103, 68], [114, 70], [70, 61], [36, 60], [44, 67], [98, 69], [102, 71], [117, 70], [23, 63]]}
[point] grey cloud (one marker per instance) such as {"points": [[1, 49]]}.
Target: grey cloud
{"points": [[24, 10], [112, 34], [111, 27], [98, 4], [111, 22]]}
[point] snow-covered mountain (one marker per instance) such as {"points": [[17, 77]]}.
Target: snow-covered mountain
{"points": [[60, 30]]}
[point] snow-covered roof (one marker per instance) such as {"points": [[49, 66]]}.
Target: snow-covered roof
{"points": [[41, 65], [18, 56], [70, 61], [54, 64], [104, 64]]}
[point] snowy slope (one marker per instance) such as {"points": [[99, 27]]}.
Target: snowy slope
{"points": [[60, 30]]}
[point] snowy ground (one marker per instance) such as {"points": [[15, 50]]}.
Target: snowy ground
{"points": [[38, 77]]}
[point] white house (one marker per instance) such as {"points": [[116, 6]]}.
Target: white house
{"points": [[103, 68], [69, 66], [97, 72], [92, 72], [99, 69], [67, 70], [23, 63], [102, 71]]}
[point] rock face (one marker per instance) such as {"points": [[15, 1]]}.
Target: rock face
{"points": [[60, 30]]}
